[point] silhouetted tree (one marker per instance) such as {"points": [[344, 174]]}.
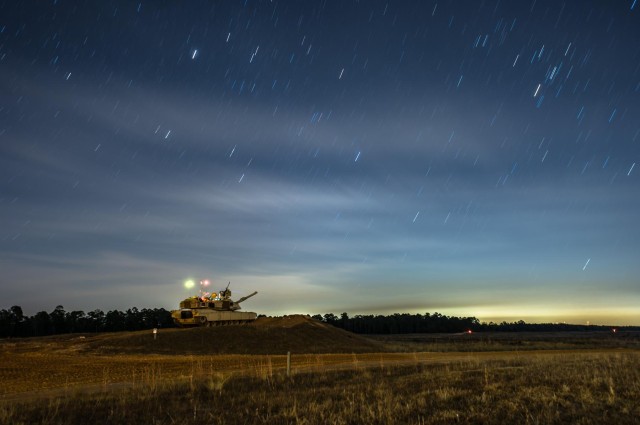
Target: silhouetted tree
{"points": [[58, 320], [42, 324], [96, 321], [330, 318], [133, 319], [344, 321], [5, 323], [74, 321], [115, 321], [16, 321]]}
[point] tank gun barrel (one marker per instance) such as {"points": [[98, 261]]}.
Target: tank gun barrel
{"points": [[245, 298]]}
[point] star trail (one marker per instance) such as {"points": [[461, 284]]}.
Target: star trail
{"points": [[475, 158]]}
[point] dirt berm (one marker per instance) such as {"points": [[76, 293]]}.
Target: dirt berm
{"points": [[267, 335]]}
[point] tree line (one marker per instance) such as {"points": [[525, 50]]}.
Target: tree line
{"points": [[14, 323], [400, 323], [404, 323]]}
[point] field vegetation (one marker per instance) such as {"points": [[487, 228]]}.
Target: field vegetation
{"points": [[238, 375], [580, 388], [509, 341]]}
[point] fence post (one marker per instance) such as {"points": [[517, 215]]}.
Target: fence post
{"points": [[288, 363]]}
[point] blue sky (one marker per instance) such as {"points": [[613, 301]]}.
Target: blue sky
{"points": [[472, 159]]}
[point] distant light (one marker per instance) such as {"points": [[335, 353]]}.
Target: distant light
{"points": [[189, 284], [614, 330], [469, 331], [205, 282]]}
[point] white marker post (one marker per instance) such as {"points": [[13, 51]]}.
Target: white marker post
{"points": [[155, 333]]}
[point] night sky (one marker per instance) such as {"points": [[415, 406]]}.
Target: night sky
{"points": [[475, 158]]}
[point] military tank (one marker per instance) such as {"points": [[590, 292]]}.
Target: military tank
{"points": [[212, 309]]}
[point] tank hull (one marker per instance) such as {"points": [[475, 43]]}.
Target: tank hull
{"points": [[209, 317]]}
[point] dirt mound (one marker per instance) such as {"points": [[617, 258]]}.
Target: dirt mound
{"points": [[286, 321], [267, 335]]}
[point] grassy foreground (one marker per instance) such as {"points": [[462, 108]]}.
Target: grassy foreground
{"points": [[579, 388]]}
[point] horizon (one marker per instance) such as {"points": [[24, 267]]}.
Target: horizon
{"points": [[600, 319], [476, 158]]}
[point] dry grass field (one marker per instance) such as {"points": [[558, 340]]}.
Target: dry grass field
{"points": [[510, 341], [125, 379]]}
